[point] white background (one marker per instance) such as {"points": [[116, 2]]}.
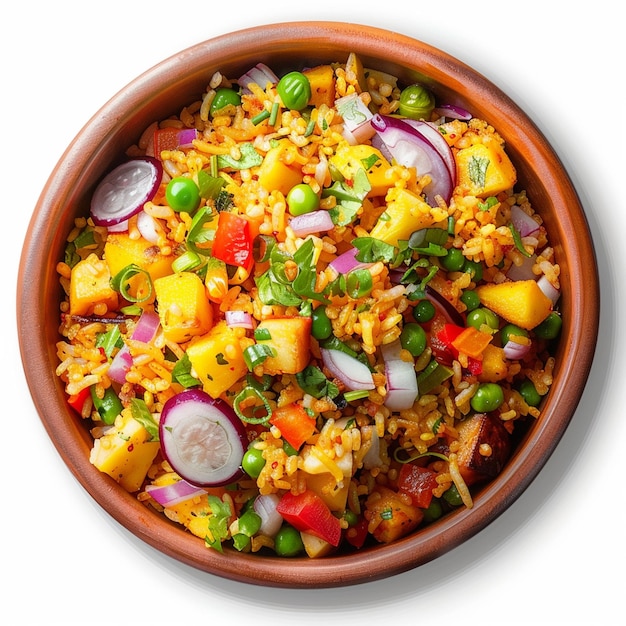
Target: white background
{"points": [[555, 557]]}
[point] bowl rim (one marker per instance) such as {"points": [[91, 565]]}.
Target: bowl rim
{"points": [[424, 545]]}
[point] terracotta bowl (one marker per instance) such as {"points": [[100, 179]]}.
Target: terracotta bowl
{"points": [[162, 91]]}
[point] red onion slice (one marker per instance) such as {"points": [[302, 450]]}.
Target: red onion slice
{"points": [[431, 133], [548, 289], [202, 439], [516, 351], [310, 223], [357, 128], [410, 148], [271, 519], [453, 112], [523, 271], [240, 319], [346, 262], [402, 388], [123, 191], [444, 307], [147, 226], [523, 222], [349, 370], [145, 331], [260, 75], [170, 495]]}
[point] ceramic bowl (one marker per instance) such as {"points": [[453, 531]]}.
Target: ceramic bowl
{"points": [[162, 91]]}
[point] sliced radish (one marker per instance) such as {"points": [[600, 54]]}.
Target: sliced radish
{"points": [[123, 191], [202, 439], [349, 370]]}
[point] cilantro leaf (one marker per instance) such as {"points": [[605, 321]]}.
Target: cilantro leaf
{"points": [[249, 158], [141, 413], [312, 381], [372, 250]]}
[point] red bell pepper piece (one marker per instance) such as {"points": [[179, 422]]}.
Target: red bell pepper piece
{"points": [[417, 482], [446, 336], [77, 401], [357, 534], [307, 512], [294, 423], [233, 240]]}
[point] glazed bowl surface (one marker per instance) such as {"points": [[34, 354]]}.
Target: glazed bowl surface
{"points": [[162, 91]]}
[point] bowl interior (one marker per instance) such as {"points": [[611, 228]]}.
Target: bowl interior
{"points": [[164, 90]]}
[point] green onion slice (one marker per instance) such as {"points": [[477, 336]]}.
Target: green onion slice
{"points": [[121, 282], [261, 404]]}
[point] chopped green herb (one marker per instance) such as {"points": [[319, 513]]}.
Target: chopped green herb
{"points": [[312, 381], [478, 170], [141, 413]]}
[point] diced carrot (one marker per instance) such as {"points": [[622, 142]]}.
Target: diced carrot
{"points": [[471, 342]]}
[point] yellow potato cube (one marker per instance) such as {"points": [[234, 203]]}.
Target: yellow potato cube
{"points": [[380, 174], [275, 174], [494, 365], [315, 547], [120, 251], [90, 284], [125, 453], [322, 81], [290, 339], [485, 169], [519, 302], [184, 309], [406, 212], [217, 359]]}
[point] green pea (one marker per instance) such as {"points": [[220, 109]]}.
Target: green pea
{"points": [[288, 541], [302, 199], [488, 397], [529, 392], [182, 194], [413, 338], [453, 261], [483, 317], [511, 330], [424, 311], [351, 517], [475, 269], [470, 299], [416, 102], [289, 449], [321, 327], [452, 496], [550, 327], [294, 90], [224, 97], [253, 462], [434, 510]]}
